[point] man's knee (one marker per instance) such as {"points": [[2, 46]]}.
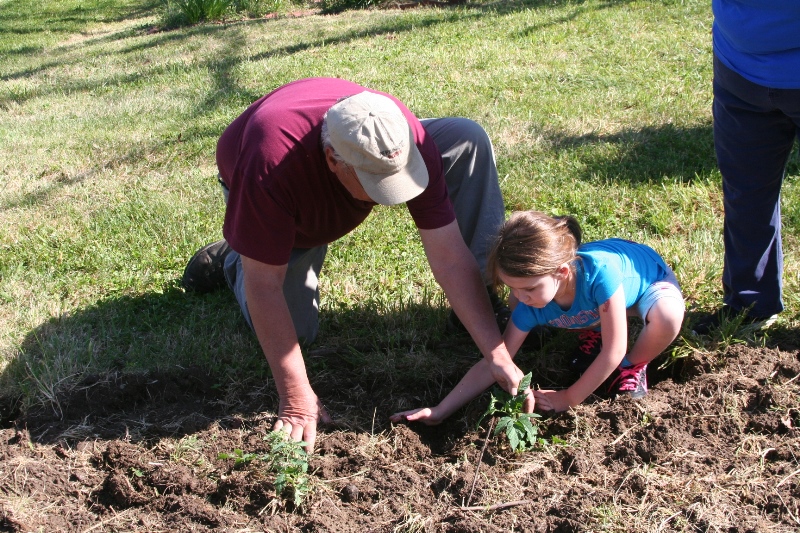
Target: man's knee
{"points": [[474, 133]]}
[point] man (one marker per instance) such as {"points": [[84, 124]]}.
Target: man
{"points": [[305, 165], [756, 120]]}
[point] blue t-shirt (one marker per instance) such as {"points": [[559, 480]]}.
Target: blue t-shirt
{"points": [[759, 40], [602, 268]]}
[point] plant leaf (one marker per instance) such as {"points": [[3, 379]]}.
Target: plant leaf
{"points": [[513, 438], [525, 382], [530, 430], [501, 424]]}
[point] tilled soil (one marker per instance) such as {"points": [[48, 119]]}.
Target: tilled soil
{"points": [[715, 446]]}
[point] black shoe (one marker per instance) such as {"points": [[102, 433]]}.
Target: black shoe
{"points": [[727, 314], [205, 270], [591, 343]]}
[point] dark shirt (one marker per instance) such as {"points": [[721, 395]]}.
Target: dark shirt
{"points": [[282, 193]]}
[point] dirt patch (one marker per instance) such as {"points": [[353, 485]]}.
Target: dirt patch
{"points": [[715, 446]]}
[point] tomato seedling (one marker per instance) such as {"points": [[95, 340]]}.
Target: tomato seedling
{"points": [[520, 428]]}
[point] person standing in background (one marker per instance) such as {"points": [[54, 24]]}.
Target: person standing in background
{"points": [[756, 120]]}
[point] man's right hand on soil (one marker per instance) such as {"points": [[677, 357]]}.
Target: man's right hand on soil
{"points": [[298, 415], [506, 374]]}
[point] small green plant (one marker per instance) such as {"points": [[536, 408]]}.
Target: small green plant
{"points": [[239, 457], [287, 459], [259, 8], [684, 347], [518, 426], [185, 446]]}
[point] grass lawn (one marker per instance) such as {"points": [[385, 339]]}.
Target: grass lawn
{"points": [[108, 128]]}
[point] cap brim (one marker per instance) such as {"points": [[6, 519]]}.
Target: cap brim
{"points": [[400, 187]]}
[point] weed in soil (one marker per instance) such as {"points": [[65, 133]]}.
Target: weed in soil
{"points": [[286, 460]]}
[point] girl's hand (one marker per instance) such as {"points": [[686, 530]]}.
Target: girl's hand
{"points": [[426, 415], [529, 404], [551, 400]]}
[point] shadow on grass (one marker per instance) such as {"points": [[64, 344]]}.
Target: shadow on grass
{"points": [[20, 17], [171, 363], [222, 65], [57, 179], [167, 365], [578, 8], [643, 155]]}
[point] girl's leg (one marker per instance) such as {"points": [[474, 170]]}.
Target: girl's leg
{"points": [[662, 325], [661, 307]]}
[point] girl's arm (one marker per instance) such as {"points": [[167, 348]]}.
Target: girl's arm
{"points": [[513, 337], [614, 324], [477, 379]]}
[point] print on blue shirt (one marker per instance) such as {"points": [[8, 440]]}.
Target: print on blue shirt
{"points": [[602, 267]]}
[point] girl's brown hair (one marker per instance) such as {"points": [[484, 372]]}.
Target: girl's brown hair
{"points": [[531, 243]]}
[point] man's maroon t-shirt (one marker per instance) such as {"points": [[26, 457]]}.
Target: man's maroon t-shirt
{"points": [[282, 193]]}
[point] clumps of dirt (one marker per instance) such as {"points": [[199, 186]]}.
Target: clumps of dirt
{"points": [[713, 447]]}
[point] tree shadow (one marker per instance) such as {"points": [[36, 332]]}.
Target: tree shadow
{"points": [[645, 154], [223, 64], [578, 8], [20, 17]]}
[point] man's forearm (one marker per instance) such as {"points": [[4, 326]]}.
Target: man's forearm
{"points": [[457, 272], [274, 328]]}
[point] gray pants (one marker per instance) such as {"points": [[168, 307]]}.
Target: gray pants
{"points": [[472, 184]]}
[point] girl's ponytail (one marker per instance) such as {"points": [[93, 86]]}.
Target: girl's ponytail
{"points": [[573, 226]]}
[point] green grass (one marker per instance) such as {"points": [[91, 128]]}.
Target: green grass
{"points": [[108, 127]]}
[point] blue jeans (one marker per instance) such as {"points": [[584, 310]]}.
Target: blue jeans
{"points": [[754, 131]]}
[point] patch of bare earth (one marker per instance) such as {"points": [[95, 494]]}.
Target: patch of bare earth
{"points": [[713, 447]]}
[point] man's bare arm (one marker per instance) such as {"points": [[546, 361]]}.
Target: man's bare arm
{"points": [[457, 272], [299, 409]]}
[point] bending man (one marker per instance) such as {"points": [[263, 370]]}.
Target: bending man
{"points": [[305, 165]]}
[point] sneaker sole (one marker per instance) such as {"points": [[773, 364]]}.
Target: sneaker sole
{"points": [[196, 274], [637, 395], [765, 323]]}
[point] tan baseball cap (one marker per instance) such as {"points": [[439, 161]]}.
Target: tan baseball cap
{"points": [[371, 134]]}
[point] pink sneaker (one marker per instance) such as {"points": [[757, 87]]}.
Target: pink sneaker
{"points": [[631, 381]]}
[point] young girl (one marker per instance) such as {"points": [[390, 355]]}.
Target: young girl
{"points": [[558, 283]]}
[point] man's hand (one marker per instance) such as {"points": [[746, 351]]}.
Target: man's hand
{"points": [[506, 374], [300, 410], [426, 415], [298, 415], [552, 400]]}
